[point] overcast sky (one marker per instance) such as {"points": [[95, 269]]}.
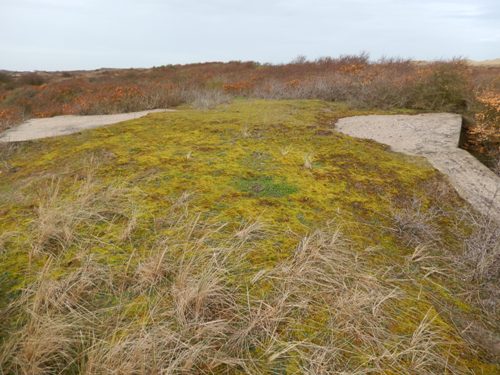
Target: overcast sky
{"points": [[85, 34]]}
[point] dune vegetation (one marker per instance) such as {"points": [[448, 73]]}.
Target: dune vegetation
{"points": [[442, 86], [246, 238]]}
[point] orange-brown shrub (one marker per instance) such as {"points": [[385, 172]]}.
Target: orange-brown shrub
{"points": [[387, 83], [33, 79], [483, 137], [237, 88], [9, 117]]}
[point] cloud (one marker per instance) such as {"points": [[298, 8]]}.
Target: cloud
{"points": [[93, 33], [455, 9]]}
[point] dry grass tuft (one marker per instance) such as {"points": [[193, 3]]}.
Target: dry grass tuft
{"points": [[483, 249], [152, 270], [201, 296], [284, 151], [479, 263], [54, 224], [208, 313], [42, 346], [197, 303], [415, 225], [177, 214], [207, 99], [6, 152], [67, 294], [131, 227], [251, 231], [59, 214], [308, 161], [245, 131], [421, 350], [56, 313]]}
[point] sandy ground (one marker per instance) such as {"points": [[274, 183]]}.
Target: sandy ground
{"points": [[62, 125], [436, 137]]}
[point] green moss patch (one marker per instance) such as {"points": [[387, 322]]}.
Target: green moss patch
{"points": [[265, 186], [238, 173]]}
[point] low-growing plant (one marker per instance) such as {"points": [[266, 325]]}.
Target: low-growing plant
{"points": [[265, 186]]}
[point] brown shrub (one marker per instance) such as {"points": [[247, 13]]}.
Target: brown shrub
{"points": [[32, 79], [443, 87], [387, 84]]}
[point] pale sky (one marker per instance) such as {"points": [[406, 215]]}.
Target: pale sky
{"points": [[88, 34]]}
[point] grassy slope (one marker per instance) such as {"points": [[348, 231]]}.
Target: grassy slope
{"points": [[242, 163]]}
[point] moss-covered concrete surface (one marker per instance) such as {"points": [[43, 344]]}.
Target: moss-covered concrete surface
{"points": [[276, 163]]}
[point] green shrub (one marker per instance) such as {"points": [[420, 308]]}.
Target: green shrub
{"points": [[32, 79], [5, 77], [446, 88]]}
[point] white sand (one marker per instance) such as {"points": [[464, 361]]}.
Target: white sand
{"points": [[62, 125], [436, 137]]}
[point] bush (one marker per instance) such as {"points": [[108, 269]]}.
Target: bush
{"points": [[5, 77], [483, 135], [9, 117], [384, 84], [32, 79], [445, 87]]}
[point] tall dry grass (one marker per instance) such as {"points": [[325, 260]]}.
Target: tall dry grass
{"points": [[194, 302], [207, 99], [479, 263], [60, 218], [192, 299], [475, 265]]}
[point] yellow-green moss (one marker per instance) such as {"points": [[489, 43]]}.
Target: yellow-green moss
{"points": [[242, 162]]}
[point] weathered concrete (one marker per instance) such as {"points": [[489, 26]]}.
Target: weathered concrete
{"points": [[436, 137], [63, 125]]}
